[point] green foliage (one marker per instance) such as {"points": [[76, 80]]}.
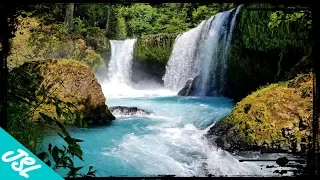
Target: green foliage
{"points": [[267, 46], [48, 13], [155, 48], [63, 158], [93, 15], [267, 30], [35, 42], [95, 38], [133, 20], [19, 102], [79, 27], [138, 18], [202, 13], [120, 21], [22, 104]]}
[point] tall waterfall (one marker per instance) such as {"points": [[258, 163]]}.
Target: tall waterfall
{"points": [[120, 65], [202, 52], [183, 62]]}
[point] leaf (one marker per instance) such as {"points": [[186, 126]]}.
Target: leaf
{"points": [[55, 154], [69, 140], [47, 118], [90, 168], [66, 115], [70, 161], [78, 118], [41, 91], [78, 140], [63, 129], [78, 168], [80, 122], [60, 135], [69, 104], [42, 156], [48, 163], [50, 147], [58, 111]]}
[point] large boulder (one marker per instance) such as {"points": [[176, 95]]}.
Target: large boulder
{"points": [[70, 81], [277, 117]]}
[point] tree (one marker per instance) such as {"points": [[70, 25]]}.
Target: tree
{"points": [[69, 16]]}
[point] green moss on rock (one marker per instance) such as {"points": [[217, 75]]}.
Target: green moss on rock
{"points": [[275, 117], [155, 48], [267, 47], [70, 81], [34, 41]]}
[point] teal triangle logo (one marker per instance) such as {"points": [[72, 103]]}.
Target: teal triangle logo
{"points": [[17, 162]]}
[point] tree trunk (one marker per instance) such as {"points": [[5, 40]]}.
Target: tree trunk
{"points": [[69, 17], [108, 21]]}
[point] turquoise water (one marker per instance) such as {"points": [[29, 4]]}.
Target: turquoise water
{"points": [[169, 141]]}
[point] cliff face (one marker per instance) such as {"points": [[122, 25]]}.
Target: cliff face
{"points": [[277, 117], [70, 81]]}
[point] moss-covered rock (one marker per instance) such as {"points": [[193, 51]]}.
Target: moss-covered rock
{"points": [[267, 47], [152, 52], [34, 41], [275, 117], [155, 48], [70, 81]]}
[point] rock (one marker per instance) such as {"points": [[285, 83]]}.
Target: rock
{"points": [[282, 161], [186, 89], [190, 87], [264, 121], [70, 81], [129, 111]]}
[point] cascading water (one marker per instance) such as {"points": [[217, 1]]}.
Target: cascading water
{"points": [[183, 62], [214, 53], [202, 52], [120, 65], [117, 82]]}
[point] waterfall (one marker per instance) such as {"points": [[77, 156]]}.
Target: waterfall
{"points": [[117, 82], [120, 65], [183, 62], [202, 52]]}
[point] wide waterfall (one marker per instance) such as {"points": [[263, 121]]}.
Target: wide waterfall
{"points": [[202, 52]]}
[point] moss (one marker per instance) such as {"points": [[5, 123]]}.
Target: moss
{"points": [[274, 114], [70, 81], [155, 48], [262, 53], [34, 41]]}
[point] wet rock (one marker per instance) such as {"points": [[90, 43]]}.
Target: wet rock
{"points": [[129, 111], [185, 91], [282, 161], [190, 87]]}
